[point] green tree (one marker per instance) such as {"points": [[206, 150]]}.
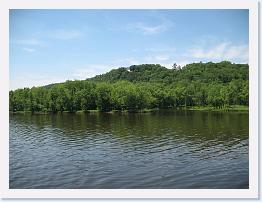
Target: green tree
{"points": [[104, 99], [214, 95]]}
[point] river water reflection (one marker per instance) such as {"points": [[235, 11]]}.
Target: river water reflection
{"points": [[165, 149]]}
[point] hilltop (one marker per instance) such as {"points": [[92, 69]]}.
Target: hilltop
{"points": [[203, 72]]}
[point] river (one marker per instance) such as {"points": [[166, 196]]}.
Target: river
{"points": [[159, 150]]}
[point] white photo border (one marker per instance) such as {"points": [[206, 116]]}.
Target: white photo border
{"points": [[251, 193]]}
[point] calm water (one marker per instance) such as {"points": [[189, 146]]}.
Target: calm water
{"points": [[153, 150]]}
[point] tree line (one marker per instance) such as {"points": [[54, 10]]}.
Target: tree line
{"points": [[141, 87]]}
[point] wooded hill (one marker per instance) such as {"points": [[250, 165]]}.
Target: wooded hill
{"points": [[138, 87]]}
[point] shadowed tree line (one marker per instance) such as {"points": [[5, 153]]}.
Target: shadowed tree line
{"points": [[140, 87]]}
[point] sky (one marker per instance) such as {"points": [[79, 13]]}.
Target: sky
{"points": [[50, 46]]}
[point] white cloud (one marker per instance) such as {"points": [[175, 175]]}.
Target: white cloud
{"points": [[56, 34], [162, 57], [27, 42], [222, 51], [29, 49], [147, 29], [84, 73], [65, 34], [161, 54], [157, 59]]}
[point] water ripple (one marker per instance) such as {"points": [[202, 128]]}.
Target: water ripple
{"points": [[159, 150]]}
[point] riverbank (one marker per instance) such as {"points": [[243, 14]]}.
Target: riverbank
{"points": [[194, 108], [89, 111], [229, 108]]}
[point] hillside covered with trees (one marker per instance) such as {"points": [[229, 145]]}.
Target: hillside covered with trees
{"points": [[146, 86]]}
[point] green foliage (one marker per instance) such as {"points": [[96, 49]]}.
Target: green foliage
{"points": [[141, 87], [104, 97], [214, 96]]}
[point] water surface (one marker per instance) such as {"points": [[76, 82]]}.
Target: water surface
{"points": [[166, 149]]}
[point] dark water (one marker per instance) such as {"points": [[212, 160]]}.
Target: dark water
{"points": [[182, 149]]}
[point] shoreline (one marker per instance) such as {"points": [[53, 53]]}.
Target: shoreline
{"points": [[237, 108]]}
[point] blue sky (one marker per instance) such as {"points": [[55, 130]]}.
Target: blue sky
{"points": [[48, 46]]}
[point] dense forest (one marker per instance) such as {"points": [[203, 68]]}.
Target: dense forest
{"points": [[146, 86]]}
